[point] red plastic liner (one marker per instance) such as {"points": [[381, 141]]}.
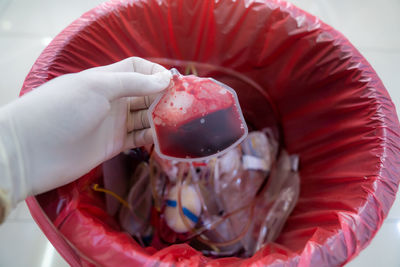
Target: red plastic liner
{"points": [[306, 78]]}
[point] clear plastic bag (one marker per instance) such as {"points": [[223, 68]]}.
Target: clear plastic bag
{"points": [[275, 203], [240, 200], [196, 118], [135, 216]]}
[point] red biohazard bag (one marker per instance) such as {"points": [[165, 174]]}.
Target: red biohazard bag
{"points": [[290, 71]]}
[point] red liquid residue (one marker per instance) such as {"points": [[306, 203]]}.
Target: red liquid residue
{"points": [[202, 136], [196, 117]]}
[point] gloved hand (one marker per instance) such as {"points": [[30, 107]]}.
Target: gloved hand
{"points": [[69, 125]]}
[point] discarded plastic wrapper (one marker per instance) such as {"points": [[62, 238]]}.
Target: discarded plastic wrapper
{"points": [[135, 217], [257, 154], [116, 173], [275, 203], [115, 177], [225, 206], [196, 119]]}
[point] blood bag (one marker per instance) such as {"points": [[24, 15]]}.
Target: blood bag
{"points": [[196, 118]]}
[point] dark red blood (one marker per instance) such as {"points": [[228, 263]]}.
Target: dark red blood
{"points": [[195, 139]]}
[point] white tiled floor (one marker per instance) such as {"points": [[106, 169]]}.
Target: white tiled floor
{"points": [[23, 244], [27, 26]]}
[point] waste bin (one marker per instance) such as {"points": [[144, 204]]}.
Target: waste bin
{"points": [[290, 70]]}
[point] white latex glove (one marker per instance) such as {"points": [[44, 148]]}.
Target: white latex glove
{"points": [[64, 128]]}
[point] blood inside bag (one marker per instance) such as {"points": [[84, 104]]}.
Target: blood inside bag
{"points": [[197, 117], [188, 140]]}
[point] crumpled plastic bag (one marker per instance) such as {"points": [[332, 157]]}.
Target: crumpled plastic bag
{"points": [[289, 69]]}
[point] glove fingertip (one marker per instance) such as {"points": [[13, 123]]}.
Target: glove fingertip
{"points": [[163, 78]]}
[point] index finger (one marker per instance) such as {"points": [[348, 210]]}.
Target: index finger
{"points": [[141, 102], [131, 64]]}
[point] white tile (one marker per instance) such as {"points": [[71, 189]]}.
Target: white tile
{"points": [[386, 65], [4, 5], [22, 212], [23, 244], [12, 215], [25, 17], [26, 27], [51, 258], [383, 250], [366, 23], [17, 55], [42, 17], [394, 212]]}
